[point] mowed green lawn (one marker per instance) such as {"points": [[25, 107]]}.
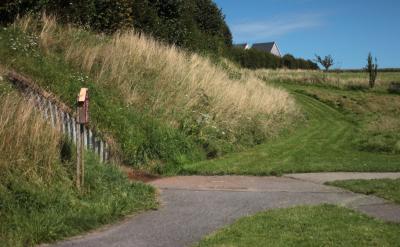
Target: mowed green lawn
{"points": [[324, 225], [385, 188], [324, 142]]}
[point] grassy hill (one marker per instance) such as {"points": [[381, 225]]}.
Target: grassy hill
{"points": [[163, 106]]}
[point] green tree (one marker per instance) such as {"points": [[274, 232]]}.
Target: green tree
{"points": [[326, 62]]}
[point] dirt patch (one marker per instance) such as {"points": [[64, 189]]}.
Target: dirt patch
{"points": [[136, 175]]}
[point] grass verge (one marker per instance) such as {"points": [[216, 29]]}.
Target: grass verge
{"points": [[306, 226], [385, 188]]}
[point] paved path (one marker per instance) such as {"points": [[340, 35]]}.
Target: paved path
{"points": [[193, 207]]}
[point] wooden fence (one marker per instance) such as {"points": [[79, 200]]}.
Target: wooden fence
{"points": [[61, 116]]}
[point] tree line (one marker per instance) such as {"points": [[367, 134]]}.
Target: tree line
{"points": [[196, 25]]}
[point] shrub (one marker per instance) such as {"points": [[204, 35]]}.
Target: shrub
{"points": [[254, 59], [394, 87]]}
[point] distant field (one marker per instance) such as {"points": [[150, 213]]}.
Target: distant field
{"points": [[343, 80]]}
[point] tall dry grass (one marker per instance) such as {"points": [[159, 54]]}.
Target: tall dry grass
{"points": [[165, 79], [29, 147]]}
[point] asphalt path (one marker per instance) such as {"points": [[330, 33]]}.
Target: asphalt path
{"points": [[195, 206]]}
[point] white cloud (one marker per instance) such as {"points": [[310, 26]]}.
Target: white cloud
{"points": [[273, 28]]}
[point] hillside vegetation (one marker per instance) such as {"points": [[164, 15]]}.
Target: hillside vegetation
{"points": [[38, 200], [165, 107], [195, 25]]}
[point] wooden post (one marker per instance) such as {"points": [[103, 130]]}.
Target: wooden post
{"points": [[79, 157], [82, 146], [82, 118]]}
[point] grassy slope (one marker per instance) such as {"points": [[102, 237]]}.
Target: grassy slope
{"points": [[385, 188], [307, 226], [325, 143], [129, 126], [38, 200], [163, 107]]}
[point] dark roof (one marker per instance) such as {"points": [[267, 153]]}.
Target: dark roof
{"points": [[264, 46], [241, 45]]}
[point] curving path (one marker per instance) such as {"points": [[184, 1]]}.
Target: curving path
{"points": [[192, 207]]}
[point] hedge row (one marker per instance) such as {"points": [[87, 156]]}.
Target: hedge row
{"points": [[254, 59]]}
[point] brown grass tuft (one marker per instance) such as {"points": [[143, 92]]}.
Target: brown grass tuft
{"points": [[28, 144]]}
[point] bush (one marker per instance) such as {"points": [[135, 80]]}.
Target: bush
{"points": [[394, 87]]}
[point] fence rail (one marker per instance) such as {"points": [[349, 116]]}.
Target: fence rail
{"points": [[61, 116]]}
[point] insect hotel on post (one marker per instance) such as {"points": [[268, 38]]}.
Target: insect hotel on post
{"points": [[83, 107], [82, 116]]}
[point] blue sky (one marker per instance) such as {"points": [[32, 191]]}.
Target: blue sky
{"points": [[346, 29]]}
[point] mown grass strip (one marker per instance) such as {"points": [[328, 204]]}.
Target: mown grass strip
{"points": [[324, 225], [385, 188]]}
